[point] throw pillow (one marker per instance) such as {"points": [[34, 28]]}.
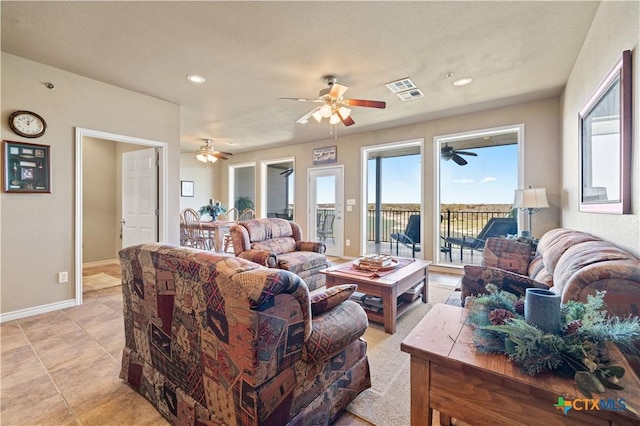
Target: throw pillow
{"points": [[322, 301]]}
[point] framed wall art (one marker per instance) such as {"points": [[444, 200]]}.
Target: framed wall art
{"points": [[186, 188], [605, 143], [325, 155], [26, 167]]}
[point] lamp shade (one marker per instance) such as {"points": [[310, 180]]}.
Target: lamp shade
{"points": [[531, 198]]}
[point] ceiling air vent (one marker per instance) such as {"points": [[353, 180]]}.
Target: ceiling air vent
{"points": [[410, 94], [401, 85]]}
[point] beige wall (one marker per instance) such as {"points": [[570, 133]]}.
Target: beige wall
{"points": [[615, 28], [98, 200], [203, 181], [542, 145], [38, 229]]}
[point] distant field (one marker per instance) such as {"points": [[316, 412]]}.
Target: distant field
{"points": [[451, 207]]}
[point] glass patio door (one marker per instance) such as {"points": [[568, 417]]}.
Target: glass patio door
{"points": [[325, 221]]}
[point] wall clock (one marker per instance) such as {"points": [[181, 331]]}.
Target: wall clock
{"points": [[27, 124]]}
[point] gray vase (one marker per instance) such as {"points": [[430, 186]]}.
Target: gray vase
{"points": [[542, 309]]}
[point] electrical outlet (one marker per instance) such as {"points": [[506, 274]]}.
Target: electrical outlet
{"points": [[347, 242], [63, 277]]}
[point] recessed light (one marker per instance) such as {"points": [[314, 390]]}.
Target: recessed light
{"points": [[462, 81], [194, 78], [231, 143]]}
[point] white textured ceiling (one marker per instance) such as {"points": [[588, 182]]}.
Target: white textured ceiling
{"points": [[252, 53]]}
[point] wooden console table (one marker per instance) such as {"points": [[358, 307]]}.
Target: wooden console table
{"points": [[448, 375]]}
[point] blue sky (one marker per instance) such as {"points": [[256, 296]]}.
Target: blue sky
{"points": [[489, 178]]}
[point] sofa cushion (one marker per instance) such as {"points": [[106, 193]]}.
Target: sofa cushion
{"points": [[323, 300], [554, 243], [334, 330], [299, 261], [268, 228], [506, 254], [276, 245]]}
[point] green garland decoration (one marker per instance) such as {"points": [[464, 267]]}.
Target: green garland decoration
{"points": [[579, 350]]}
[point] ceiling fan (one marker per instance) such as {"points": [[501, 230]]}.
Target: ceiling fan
{"points": [[448, 152], [287, 172], [333, 105], [207, 154]]}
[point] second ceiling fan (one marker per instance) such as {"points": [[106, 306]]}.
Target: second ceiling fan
{"points": [[449, 153], [333, 105]]}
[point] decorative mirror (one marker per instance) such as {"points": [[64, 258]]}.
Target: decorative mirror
{"points": [[605, 143]]}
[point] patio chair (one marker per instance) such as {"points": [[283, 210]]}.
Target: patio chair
{"points": [[326, 229], [495, 227], [410, 237]]}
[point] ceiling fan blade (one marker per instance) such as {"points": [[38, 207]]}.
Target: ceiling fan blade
{"points": [[301, 99], [473, 154], [306, 117], [459, 160], [348, 121], [337, 90], [365, 103], [228, 154], [220, 156]]}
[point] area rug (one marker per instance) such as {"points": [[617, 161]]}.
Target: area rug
{"points": [[387, 402], [98, 282]]}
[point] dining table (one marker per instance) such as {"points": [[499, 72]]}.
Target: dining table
{"points": [[216, 230]]}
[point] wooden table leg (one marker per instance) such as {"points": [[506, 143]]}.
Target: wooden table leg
{"points": [[425, 287], [421, 411], [390, 308]]}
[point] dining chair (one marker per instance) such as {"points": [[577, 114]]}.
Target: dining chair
{"points": [[246, 214], [197, 236], [184, 233]]}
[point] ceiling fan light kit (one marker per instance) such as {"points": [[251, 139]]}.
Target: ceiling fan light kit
{"points": [[207, 154], [334, 105]]}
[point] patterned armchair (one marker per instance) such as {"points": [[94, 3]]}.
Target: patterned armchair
{"points": [[571, 263], [277, 243], [214, 339]]}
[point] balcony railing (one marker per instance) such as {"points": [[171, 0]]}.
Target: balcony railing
{"points": [[453, 223]]}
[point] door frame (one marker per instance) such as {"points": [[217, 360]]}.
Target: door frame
{"points": [[364, 154], [163, 152], [232, 181], [262, 210], [311, 220], [438, 140]]}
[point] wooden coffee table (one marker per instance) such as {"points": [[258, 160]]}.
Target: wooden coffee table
{"points": [[448, 375], [387, 287]]}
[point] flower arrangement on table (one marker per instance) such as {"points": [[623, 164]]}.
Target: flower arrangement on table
{"points": [[213, 209], [578, 350]]}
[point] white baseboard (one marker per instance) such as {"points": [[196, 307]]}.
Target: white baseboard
{"points": [[37, 310], [101, 263]]}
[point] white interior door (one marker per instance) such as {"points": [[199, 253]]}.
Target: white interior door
{"points": [[326, 201], [139, 197]]}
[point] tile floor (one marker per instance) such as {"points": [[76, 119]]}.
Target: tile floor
{"points": [[61, 368]]}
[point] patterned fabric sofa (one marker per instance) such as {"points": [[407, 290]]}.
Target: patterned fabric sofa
{"points": [[571, 263], [219, 340], [277, 243]]}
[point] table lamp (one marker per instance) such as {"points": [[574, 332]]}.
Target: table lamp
{"points": [[531, 199]]}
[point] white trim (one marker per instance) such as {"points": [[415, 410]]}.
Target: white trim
{"points": [[162, 190], [438, 140], [364, 151], [232, 181], [37, 310], [262, 212]]}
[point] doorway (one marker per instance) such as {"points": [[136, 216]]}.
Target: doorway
{"points": [[326, 199], [242, 186], [278, 188], [476, 175], [81, 137], [392, 194]]}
